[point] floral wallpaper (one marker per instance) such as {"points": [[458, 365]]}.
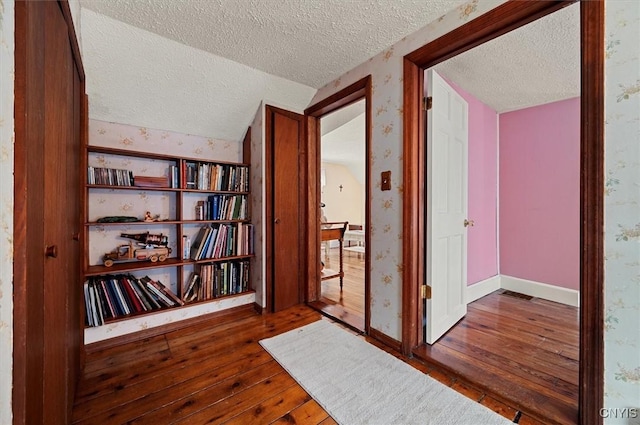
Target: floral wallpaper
{"points": [[622, 344], [110, 202], [258, 266], [6, 206], [622, 207], [386, 207], [622, 302]]}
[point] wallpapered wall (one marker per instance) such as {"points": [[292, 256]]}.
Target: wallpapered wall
{"points": [[622, 205], [622, 338], [258, 266], [386, 145], [6, 206], [623, 199]]}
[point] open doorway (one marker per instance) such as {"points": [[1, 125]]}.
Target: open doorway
{"points": [[339, 133], [342, 204], [497, 22]]}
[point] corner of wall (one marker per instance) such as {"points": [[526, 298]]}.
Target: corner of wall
{"points": [[7, 137]]}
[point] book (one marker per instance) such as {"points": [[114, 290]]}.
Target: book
{"points": [[160, 296], [196, 245], [146, 181], [160, 286], [133, 296], [189, 287]]}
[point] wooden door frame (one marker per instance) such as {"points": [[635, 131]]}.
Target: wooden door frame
{"points": [[500, 20], [268, 200], [361, 89]]}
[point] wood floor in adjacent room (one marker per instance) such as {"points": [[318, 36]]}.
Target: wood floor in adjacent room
{"points": [[346, 305], [525, 352], [216, 372]]}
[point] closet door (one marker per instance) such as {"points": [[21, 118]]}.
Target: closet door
{"points": [[285, 213], [49, 130]]}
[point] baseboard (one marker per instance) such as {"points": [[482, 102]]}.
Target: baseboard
{"points": [[482, 288], [162, 329], [541, 290], [385, 339], [258, 308]]}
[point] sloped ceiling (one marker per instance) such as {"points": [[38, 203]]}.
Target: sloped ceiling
{"points": [[203, 66]]}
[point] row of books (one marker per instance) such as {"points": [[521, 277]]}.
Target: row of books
{"points": [[223, 240], [222, 177], [222, 207], [112, 296], [109, 176], [217, 280]]}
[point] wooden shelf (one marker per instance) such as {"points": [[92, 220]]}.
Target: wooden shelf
{"points": [[217, 260], [154, 189], [178, 200], [152, 155], [98, 270], [154, 223], [178, 307]]}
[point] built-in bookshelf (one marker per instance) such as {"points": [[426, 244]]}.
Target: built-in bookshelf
{"points": [[163, 232]]}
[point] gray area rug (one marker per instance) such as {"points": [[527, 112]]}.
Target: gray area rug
{"points": [[357, 383]]}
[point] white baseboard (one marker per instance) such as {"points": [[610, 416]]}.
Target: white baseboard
{"points": [[541, 290], [482, 288]]}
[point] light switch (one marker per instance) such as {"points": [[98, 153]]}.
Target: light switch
{"points": [[385, 183]]}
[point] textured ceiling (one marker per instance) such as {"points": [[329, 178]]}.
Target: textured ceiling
{"points": [[535, 64], [311, 42], [203, 66]]}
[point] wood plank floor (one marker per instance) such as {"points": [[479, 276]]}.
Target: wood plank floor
{"points": [[215, 372], [346, 305], [523, 352]]}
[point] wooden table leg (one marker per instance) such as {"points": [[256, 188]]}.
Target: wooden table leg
{"points": [[341, 271]]}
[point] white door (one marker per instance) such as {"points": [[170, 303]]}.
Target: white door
{"points": [[446, 207]]}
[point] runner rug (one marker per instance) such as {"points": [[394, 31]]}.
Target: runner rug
{"points": [[357, 383]]}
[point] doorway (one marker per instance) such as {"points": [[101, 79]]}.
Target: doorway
{"points": [[339, 285], [342, 202], [499, 21]]}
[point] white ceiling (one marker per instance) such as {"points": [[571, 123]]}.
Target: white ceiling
{"points": [[535, 64], [311, 42], [203, 66], [343, 139]]}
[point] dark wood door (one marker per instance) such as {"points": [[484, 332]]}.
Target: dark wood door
{"points": [[50, 126], [285, 213]]}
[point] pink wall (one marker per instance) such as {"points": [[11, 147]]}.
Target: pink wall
{"points": [[482, 249], [539, 193]]}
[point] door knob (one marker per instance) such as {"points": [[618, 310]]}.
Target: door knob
{"points": [[76, 236], [468, 223], [51, 251], [276, 221]]}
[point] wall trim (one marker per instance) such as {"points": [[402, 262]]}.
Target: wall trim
{"points": [[541, 290], [163, 329], [480, 289], [385, 339]]}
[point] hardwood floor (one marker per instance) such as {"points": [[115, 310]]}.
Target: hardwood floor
{"points": [[217, 372], [346, 305], [524, 352]]}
